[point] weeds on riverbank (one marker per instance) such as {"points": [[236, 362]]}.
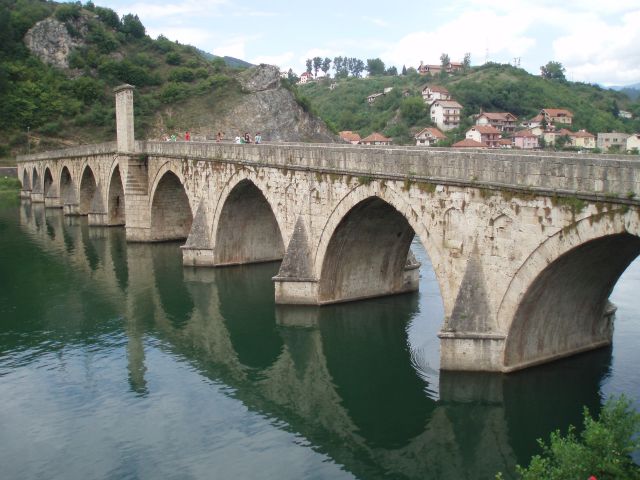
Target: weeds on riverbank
{"points": [[9, 187]]}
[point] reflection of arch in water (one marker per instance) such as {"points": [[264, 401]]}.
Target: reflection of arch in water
{"points": [[251, 324], [168, 272], [365, 346]]}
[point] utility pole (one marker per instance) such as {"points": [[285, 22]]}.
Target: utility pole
{"points": [[28, 142]]}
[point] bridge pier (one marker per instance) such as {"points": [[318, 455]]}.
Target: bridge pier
{"points": [[52, 202], [71, 209]]}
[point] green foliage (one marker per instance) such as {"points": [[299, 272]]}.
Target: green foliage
{"points": [[182, 74], [413, 109], [174, 58], [108, 17], [132, 26], [375, 66], [68, 11], [553, 71], [603, 449]]}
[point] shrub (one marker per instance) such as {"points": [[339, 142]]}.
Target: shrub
{"points": [[173, 58], [603, 449]]}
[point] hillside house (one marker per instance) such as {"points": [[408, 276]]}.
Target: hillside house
{"points": [[428, 137], [446, 114], [429, 69], [633, 142], [375, 139], [468, 143], [305, 77], [557, 116], [583, 139], [485, 134], [614, 139], [348, 136], [625, 114], [434, 92], [525, 140], [503, 121], [505, 143]]}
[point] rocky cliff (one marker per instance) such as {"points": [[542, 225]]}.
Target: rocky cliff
{"points": [[265, 107]]}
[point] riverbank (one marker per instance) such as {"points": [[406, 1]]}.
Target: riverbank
{"points": [[9, 187]]}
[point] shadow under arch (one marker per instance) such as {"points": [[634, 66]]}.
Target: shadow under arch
{"points": [[26, 181], [67, 189], [35, 181], [168, 273], [171, 215], [48, 182], [88, 190], [247, 229], [367, 254], [562, 311], [116, 199]]}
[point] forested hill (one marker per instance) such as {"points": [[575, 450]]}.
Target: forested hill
{"points": [[59, 63], [494, 88]]}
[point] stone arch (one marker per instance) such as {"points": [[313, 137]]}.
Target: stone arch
{"points": [[115, 198], [238, 177], [48, 183], [88, 190], [36, 187], [67, 189], [391, 222], [557, 301], [171, 215], [26, 181], [247, 230]]}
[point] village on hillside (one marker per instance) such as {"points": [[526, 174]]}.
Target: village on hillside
{"points": [[550, 128]]}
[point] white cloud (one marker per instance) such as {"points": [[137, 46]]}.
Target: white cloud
{"points": [[187, 36], [178, 10], [376, 21]]}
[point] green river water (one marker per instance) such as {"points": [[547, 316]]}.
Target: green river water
{"points": [[118, 363]]}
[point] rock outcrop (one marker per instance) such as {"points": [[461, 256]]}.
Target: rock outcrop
{"points": [[50, 41]]}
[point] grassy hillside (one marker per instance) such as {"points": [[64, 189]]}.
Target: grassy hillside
{"points": [[75, 105], [491, 87]]}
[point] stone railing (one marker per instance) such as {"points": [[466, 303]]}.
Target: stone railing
{"points": [[71, 152]]}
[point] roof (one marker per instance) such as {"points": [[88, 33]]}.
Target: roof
{"points": [[349, 136], [485, 129], [448, 103], [434, 132], [468, 143], [376, 137], [524, 133], [436, 88], [582, 134], [504, 116], [504, 141], [557, 112]]}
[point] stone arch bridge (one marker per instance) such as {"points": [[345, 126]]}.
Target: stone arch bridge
{"points": [[526, 247]]}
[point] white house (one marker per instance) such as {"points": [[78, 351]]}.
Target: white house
{"points": [[633, 142], [446, 114], [305, 77], [485, 134], [428, 137], [431, 93]]}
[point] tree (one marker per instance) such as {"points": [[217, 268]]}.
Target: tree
{"points": [[404, 69], [326, 66], [392, 71], [444, 60], [355, 66], [466, 63], [317, 63], [412, 109], [375, 66], [553, 71], [603, 449], [131, 25], [309, 65]]}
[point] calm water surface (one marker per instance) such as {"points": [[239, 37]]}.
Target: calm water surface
{"points": [[118, 363]]}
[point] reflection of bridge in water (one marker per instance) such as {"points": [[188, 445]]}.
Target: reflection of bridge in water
{"points": [[352, 392]]}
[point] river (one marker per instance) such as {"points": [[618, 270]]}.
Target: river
{"points": [[118, 363]]}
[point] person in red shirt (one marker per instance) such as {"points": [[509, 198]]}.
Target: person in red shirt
{"points": [[187, 137]]}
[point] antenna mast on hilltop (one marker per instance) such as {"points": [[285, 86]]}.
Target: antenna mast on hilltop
{"points": [[516, 62]]}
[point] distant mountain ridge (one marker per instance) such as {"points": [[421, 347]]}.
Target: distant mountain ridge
{"points": [[230, 61]]}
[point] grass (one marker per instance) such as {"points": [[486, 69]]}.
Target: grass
{"points": [[9, 187]]}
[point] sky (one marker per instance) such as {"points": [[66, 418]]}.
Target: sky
{"points": [[596, 41]]}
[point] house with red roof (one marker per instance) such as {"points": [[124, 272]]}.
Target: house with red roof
{"points": [[349, 136], [468, 143], [428, 137], [305, 77], [485, 134], [375, 139], [503, 121]]}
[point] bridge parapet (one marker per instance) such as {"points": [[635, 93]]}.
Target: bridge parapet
{"points": [[71, 152], [614, 179]]}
